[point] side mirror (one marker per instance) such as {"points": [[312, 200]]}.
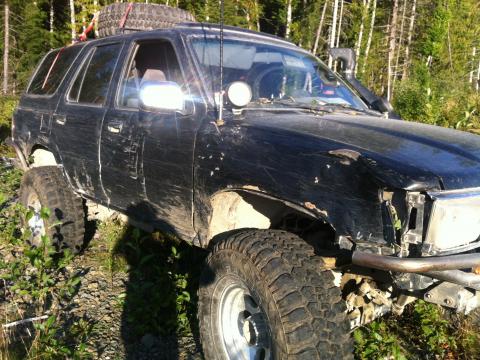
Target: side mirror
{"points": [[164, 96], [347, 57], [382, 105]]}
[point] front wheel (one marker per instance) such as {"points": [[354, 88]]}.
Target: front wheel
{"points": [[263, 295]]}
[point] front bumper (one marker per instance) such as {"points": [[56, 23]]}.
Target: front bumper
{"points": [[445, 268], [455, 288]]}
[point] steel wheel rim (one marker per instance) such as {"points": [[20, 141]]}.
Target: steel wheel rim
{"points": [[35, 224], [243, 325]]}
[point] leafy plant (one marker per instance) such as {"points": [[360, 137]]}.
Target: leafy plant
{"points": [[36, 279], [376, 342], [434, 330]]}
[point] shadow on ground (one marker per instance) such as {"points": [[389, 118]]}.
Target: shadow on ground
{"points": [[159, 308]]}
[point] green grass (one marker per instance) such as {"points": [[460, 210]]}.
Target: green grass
{"points": [[423, 331], [163, 276], [7, 107]]}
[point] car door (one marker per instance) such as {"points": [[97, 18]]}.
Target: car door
{"points": [[40, 100], [150, 154], [77, 120], [120, 154]]}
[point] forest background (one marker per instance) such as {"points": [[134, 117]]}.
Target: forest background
{"points": [[424, 55]]}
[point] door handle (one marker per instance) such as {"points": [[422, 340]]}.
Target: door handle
{"points": [[60, 119], [115, 127]]}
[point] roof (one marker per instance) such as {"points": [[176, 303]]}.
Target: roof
{"points": [[214, 28], [200, 28]]}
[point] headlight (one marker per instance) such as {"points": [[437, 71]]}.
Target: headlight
{"points": [[454, 219]]}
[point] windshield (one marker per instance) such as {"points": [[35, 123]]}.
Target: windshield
{"points": [[273, 73]]}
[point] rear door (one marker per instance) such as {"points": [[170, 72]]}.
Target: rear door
{"points": [[78, 118], [33, 116]]}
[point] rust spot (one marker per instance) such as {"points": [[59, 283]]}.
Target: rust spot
{"points": [[313, 207], [346, 154], [476, 270], [251, 187]]}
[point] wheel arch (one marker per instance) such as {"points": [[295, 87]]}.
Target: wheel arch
{"points": [[240, 208], [42, 155]]}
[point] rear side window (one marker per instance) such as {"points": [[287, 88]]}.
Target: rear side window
{"points": [[52, 70], [93, 80]]}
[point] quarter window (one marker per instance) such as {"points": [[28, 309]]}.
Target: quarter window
{"points": [[52, 70], [93, 80]]}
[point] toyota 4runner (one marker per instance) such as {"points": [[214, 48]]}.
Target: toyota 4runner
{"points": [[320, 211]]}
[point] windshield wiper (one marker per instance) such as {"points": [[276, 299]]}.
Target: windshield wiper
{"points": [[291, 103], [347, 107], [315, 106]]}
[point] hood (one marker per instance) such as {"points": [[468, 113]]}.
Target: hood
{"points": [[402, 154]]}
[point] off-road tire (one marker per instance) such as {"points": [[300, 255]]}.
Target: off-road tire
{"points": [[66, 224], [141, 17], [305, 310]]}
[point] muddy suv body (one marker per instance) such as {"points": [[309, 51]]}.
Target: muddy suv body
{"points": [[358, 213]]}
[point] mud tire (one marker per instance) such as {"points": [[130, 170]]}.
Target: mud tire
{"points": [[141, 17], [305, 310], [66, 208]]}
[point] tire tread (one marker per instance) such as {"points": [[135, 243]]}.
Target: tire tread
{"points": [[292, 273]]}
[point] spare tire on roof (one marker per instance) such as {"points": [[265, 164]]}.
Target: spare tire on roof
{"points": [[139, 17]]}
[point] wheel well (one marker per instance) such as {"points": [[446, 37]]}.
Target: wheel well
{"points": [[42, 156], [233, 210]]}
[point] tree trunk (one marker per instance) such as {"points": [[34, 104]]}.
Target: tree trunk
{"points": [[72, 20], [474, 51], [289, 19], [400, 41], [391, 48], [370, 35], [95, 10], [339, 24], [6, 48], [319, 29], [333, 32], [207, 16], [409, 41], [84, 20], [52, 14], [478, 76], [358, 44], [257, 14]]}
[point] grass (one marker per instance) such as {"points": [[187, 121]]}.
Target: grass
{"points": [[162, 273], [424, 331]]}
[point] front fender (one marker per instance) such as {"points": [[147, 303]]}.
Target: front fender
{"points": [[338, 186]]}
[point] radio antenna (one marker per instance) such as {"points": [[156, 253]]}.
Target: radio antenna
{"points": [[220, 108]]}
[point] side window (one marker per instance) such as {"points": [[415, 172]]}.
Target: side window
{"points": [[52, 70], [92, 81], [151, 61]]}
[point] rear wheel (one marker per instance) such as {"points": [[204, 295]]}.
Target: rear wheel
{"points": [[264, 295], [46, 187]]}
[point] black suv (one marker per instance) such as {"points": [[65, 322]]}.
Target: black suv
{"points": [[320, 212]]}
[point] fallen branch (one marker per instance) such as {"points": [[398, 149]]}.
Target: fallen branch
{"points": [[20, 322]]}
